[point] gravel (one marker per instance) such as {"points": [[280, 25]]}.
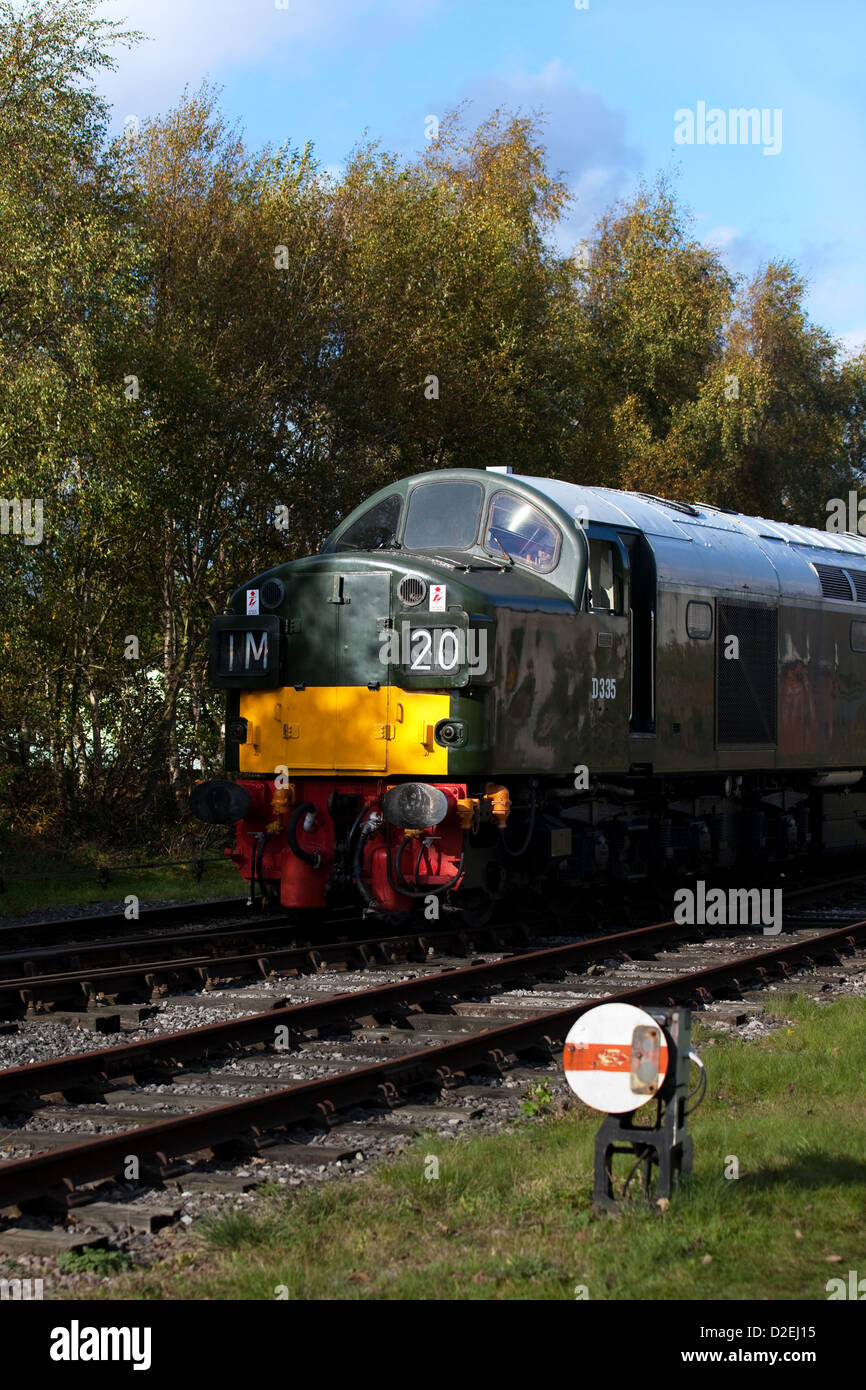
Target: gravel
{"points": [[99, 909]]}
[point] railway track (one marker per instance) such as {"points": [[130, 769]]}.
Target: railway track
{"points": [[143, 969], [102, 971], [285, 1092], [91, 927]]}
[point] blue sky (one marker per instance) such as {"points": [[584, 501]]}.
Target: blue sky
{"points": [[610, 78]]}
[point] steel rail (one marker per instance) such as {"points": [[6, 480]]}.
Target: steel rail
{"points": [[104, 923], [60, 960], [122, 1060], [120, 955]]}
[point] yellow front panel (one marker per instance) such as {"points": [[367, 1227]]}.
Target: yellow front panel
{"points": [[289, 728], [362, 729], [347, 729], [411, 749]]}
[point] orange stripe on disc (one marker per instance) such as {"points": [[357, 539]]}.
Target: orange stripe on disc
{"points": [[597, 1057], [604, 1057]]}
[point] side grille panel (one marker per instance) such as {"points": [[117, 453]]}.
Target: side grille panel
{"points": [[746, 686], [834, 582]]}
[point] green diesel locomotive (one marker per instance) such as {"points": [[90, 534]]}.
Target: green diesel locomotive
{"points": [[486, 683]]}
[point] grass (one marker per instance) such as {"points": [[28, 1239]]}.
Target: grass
{"points": [[92, 1261], [509, 1215], [74, 888]]}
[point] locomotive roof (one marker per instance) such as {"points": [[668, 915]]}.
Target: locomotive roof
{"points": [[656, 516], [695, 543]]}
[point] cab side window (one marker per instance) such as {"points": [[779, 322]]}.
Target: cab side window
{"points": [[605, 577], [374, 528]]}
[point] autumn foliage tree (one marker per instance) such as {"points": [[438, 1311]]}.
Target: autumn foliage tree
{"points": [[209, 354]]}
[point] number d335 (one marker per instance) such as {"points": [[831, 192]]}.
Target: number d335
{"points": [[604, 687]]}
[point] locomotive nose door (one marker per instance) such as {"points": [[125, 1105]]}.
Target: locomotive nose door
{"points": [[306, 714], [331, 714], [362, 730]]}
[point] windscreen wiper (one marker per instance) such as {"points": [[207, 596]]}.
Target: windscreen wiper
{"points": [[495, 538]]}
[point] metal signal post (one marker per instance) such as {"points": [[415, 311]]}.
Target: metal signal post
{"points": [[617, 1059]]}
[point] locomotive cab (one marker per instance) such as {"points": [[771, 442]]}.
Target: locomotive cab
{"points": [[380, 661]]}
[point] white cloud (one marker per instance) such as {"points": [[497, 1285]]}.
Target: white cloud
{"points": [[834, 294], [188, 40], [720, 238], [741, 252], [853, 343]]}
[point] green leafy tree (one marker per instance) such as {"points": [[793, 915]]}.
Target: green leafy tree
{"points": [[777, 427], [653, 304], [451, 307], [70, 289]]}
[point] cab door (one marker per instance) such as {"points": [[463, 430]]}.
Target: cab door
{"points": [[642, 605], [607, 623]]}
